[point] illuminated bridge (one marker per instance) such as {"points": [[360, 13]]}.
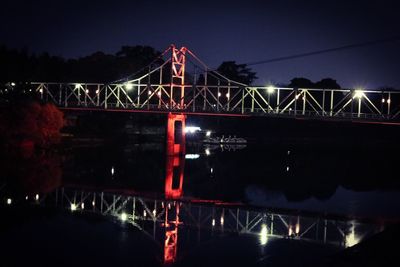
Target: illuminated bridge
{"points": [[178, 81]]}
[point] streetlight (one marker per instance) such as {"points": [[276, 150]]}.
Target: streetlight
{"points": [[129, 86]]}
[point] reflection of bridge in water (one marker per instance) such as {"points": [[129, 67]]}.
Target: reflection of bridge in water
{"points": [[178, 81], [152, 214]]}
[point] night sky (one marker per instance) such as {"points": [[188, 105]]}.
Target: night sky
{"points": [[244, 31]]}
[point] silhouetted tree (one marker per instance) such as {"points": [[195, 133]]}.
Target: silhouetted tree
{"points": [[237, 72], [327, 83], [301, 83]]}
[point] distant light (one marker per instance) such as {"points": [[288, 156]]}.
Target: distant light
{"points": [[207, 151], [30, 90], [144, 213], [290, 231], [288, 152], [112, 170], [73, 207], [208, 133], [87, 91], [270, 89], [26, 198], [192, 129], [222, 220], [383, 100], [9, 201], [83, 205], [97, 91], [388, 101], [149, 92], [154, 212], [212, 170], [93, 203], [169, 206], [123, 216], [290, 109], [37, 197], [219, 94], [358, 93], [192, 156], [12, 84], [78, 85], [263, 234], [287, 168], [159, 93], [40, 90], [129, 86], [297, 96], [213, 222], [227, 95]]}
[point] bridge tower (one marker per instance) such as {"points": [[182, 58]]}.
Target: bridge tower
{"points": [[178, 60]]}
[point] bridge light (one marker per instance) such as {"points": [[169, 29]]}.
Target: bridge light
{"points": [[208, 133], [207, 151], [123, 217], [297, 97], [358, 94], [213, 222], [87, 91], [263, 234], [227, 95], [222, 220], [40, 90], [37, 197], [93, 203], [73, 207], [149, 92], [97, 91], [82, 205], [13, 84], [129, 86], [352, 239], [78, 85], [159, 93], [270, 89], [9, 201], [219, 94], [383, 100], [388, 101], [26, 198], [290, 231], [297, 228], [112, 170]]}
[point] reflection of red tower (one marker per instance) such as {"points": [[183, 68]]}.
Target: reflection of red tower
{"points": [[173, 182]]}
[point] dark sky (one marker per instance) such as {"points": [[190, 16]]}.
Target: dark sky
{"points": [[244, 31]]}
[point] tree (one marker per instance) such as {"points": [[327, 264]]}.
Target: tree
{"points": [[237, 72], [327, 83], [301, 83]]}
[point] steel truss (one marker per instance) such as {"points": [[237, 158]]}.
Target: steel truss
{"points": [[217, 94], [209, 215]]}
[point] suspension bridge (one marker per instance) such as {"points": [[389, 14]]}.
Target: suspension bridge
{"points": [[178, 81]]}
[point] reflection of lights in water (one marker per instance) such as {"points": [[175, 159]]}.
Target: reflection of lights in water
{"points": [[9, 201], [192, 156], [208, 151], [211, 170], [37, 197], [290, 230], [123, 216], [112, 170], [222, 220], [73, 207], [208, 133], [83, 206], [297, 228], [263, 234], [213, 222], [352, 239]]}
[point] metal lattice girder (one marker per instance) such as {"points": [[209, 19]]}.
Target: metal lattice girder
{"points": [[185, 92], [214, 217]]}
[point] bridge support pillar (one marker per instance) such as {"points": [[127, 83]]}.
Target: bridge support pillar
{"points": [[176, 136]]}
